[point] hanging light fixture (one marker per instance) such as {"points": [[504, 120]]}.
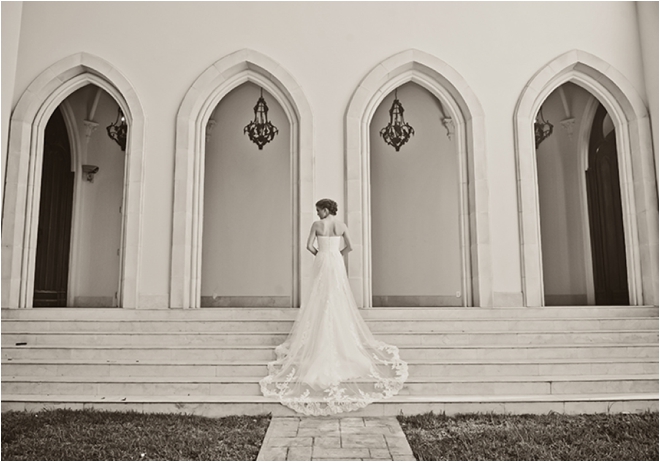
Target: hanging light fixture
{"points": [[542, 128], [117, 130], [398, 132], [260, 130]]}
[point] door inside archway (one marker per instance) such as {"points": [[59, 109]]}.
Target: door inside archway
{"points": [[608, 246], [54, 230]]}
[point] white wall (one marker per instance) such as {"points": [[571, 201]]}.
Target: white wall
{"points": [[563, 216], [11, 27], [647, 13], [97, 245], [247, 237], [415, 204], [328, 47]]}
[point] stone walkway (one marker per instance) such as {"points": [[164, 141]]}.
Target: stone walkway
{"points": [[328, 438]]}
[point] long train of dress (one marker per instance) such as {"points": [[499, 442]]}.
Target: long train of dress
{"points": [[330, 362]]}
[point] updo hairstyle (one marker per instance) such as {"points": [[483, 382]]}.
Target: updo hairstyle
{"points": [[328, 204]]}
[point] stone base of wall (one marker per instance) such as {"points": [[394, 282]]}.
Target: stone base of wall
{"points": [[246, 301], [417, 300], [565, 299], [95, 302]]}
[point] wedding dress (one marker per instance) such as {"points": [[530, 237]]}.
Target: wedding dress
{"points": [[330, 362]]}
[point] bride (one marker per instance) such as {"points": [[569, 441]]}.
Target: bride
{"points": [[330, 362]]}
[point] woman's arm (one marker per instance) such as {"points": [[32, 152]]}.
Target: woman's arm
{"points": [[347, 241], [310, 239]]}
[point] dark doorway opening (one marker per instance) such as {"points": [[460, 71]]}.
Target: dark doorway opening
{"points": [[55, 209], [608, 246]]}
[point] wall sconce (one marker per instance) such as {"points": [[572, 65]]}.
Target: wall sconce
{"points": [[117, 130], [398, 132], [260, 130], [89, 171], [542, 128]]}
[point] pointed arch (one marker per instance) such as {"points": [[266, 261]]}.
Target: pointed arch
{"points": [[636, 170], [453, 91], [23, 176], [194, 113]]}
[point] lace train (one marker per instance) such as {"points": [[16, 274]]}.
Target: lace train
{"points": [[330, 362]]}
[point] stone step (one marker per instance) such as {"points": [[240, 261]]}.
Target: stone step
{"points": [[436, 313], [421, 338], [196, 368], [216, 406], [267, 353], [376, 325], [249, 386]]}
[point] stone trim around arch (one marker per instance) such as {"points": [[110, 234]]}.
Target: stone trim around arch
{"points": [[452, 89], [636, 167], [23, 176], [195, 110]]}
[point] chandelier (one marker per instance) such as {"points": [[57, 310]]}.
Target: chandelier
{"points": [[117, 130], [260, 130], [398, 132], [542, 128]]}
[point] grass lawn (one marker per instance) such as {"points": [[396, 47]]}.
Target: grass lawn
{"points": [[533, 437], [96, 435]]}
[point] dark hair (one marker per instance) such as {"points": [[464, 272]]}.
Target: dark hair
{"points": [[328, 204]]}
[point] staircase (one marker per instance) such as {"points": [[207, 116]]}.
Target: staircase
{"points": [[209, 361]]}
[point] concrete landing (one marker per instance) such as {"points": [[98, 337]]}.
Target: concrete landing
{"points": [[335, 438]]}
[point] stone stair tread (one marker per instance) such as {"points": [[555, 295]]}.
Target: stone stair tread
{"points": [[194, 362], [368, 319], [255, 379], [416, 332], [230, 309], [269, 347], [394, 399]]}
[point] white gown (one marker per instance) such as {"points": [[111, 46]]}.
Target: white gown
{"points": [[330, 362]]}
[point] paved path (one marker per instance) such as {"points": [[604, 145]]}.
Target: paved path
{"points": [[332, 438]]}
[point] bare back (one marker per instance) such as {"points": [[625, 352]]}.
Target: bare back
{"points": [[330, 227]]}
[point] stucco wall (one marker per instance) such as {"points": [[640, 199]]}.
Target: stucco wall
{"points": [[11, 28], [647, 13], [328, 48]]}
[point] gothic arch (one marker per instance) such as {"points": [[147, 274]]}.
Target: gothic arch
{"points": [[453, 91], [636, 167], [23, 176], [194, 113]]}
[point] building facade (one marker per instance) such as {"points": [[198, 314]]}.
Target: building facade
{"points": [[475, 209]]}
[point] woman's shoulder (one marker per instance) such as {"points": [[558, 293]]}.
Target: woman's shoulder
{"points": [[340, 226], [317, 225]]}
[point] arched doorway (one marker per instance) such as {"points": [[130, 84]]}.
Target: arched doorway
{"points": [[248, 207], [415, 207], [192, 122], [579, 201], [24, 165], [78, 258], [635, 165], [465, 120]]}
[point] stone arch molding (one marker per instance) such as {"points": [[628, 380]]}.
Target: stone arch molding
{"points": [[456, 95], [636, 170], [23, 176], [194, 113]]}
